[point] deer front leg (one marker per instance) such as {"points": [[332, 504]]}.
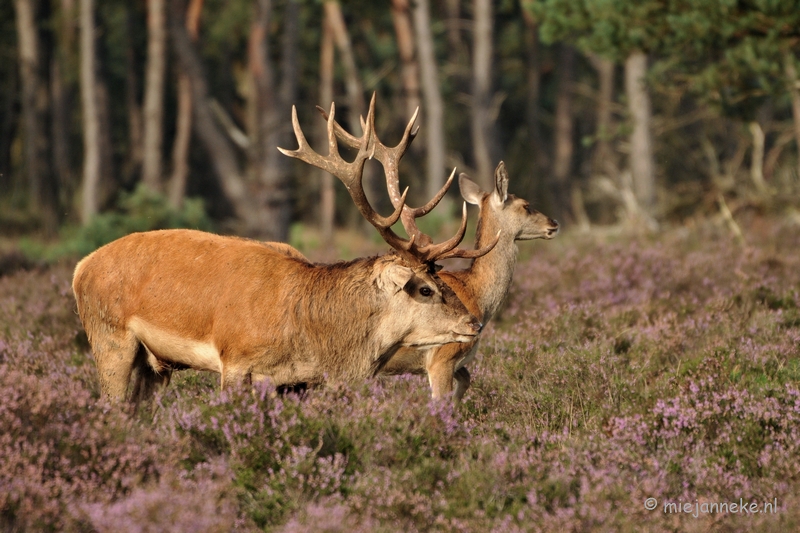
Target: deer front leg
{"points": [[462, 383], [440, 365]]}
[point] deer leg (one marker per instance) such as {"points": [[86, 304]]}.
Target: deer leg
{"points": [[440, 376], [462, 383], [115, 355], [233, 376], [149, 375], [440, 365]]}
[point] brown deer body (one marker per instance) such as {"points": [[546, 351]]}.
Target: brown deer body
{"points": [[163, 300], [158, 301], [483, 286]]}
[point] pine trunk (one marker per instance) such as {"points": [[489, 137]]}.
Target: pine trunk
{"points": [[183, 123], [35, 109], [154, 94], [409, 68], [327, 199], [481, 120], [563, 135], [434, 106]]}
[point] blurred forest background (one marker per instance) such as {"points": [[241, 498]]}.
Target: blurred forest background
{"points": [[121, 115]]}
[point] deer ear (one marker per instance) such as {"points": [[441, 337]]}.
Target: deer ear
{"points": [[394, 277], [501, 182], [470, 190]]}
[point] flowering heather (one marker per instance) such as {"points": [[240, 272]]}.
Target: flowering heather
{"points": [[622, 368]]}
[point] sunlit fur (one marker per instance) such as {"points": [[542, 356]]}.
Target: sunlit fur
{"points": [[163, 300]]}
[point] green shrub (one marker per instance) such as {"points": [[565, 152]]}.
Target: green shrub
{"points": [[141, 210]]}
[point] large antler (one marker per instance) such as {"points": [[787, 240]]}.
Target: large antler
{"points": [[351, 174], [422, 244]]}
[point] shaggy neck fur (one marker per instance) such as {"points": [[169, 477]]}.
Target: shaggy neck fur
{"points": [[345, 298]]}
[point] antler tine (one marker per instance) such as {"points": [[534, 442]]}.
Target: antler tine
{"points": [[433, 202], [435, 251], [343, 135], [351, 175], [409, 135], [333, 163], [471, 254]]}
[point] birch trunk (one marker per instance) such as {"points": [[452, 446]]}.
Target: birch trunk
{"points": [[641, 146], [91, 118]]}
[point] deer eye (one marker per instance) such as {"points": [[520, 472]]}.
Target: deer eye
{"points": [[426, 291]]}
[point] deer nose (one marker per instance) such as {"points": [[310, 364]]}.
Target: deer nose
{"points": [[475, 325]]}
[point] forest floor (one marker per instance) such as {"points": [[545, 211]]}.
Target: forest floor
{"points": [[631, 383]]}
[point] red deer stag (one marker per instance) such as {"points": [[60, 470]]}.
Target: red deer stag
{"points": [[159, 301], [503, 220]]}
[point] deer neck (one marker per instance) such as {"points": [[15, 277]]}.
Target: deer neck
{"points": [[489, 278]]}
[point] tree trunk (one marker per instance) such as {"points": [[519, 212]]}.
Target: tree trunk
{"points": [[62, 96], [180, 147], [108, 183], [272, 169], [641, 150], [352, 81], [154, 94], [183, 123], [434, 106], [280, 168], [91, 119], [482, 128], [217, 146], [794, 91], [563, 135], [603, 157], [35, 108], [757, 158], [409, 68], [532, 115], [134, 109], [454, 43], [603, 161], [327, 199], [356, 105], [8, 122]]}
